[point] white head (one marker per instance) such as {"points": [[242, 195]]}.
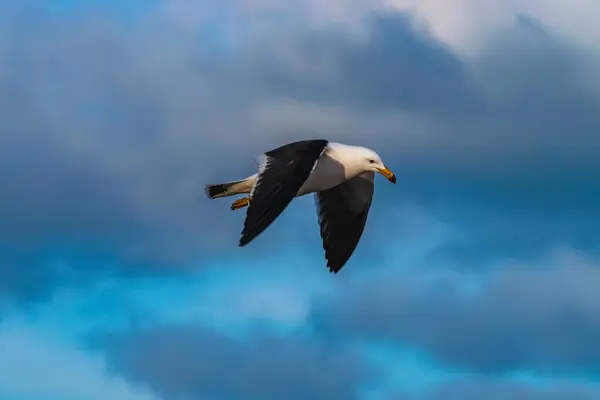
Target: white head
{"points": [[360, 159], [371, 162]]}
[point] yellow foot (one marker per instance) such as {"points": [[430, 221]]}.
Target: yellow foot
{"points": [[240, 203]]}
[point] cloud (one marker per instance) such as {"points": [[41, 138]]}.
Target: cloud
{"points": [[113, 125], [113, 121], [540, 318], [396, 67], [189, 361], [64, 333], [35, 365], [472, 389]]}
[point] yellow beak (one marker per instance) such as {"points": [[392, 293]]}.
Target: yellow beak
{"points": [[389, 175]]}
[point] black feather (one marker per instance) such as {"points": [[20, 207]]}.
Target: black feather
{"points": [[343, 212], [284, 173]]}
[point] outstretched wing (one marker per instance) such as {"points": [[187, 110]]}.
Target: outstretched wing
{"points": [[343, 212], [281, 175]]}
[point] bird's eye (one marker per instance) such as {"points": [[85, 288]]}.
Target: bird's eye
{"points": [[372, 161]]}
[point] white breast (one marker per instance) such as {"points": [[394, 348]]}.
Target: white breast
{"points": [[334, 167]]}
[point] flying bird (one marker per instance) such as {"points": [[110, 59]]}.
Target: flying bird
{"points": [[340, 176]]}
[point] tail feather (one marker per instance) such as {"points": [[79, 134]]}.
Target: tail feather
{"points": [[214, 191]]}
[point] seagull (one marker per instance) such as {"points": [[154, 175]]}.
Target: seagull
{"points": [[340, 176]]}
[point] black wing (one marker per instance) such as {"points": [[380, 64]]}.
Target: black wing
{"points": [[280, 177], [343, 212]]}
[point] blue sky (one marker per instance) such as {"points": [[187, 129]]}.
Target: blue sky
{"points": [[477, 274]]}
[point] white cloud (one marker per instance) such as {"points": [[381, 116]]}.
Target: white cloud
{"points": [[34, 364], [225, 296], [464, 24], [230, 297]]}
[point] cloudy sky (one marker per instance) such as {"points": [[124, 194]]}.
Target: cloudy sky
{"points": [[478, 273]]}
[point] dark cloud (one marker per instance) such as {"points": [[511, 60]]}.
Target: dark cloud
{"points": [[112, 127], [397, 68], [475, 389], [540, 318], [191, 362], [520, 180]]}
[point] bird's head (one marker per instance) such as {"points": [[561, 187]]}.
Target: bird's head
{"points": [[372, 163]]}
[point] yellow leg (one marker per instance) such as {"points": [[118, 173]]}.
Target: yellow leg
{"points": [[240, 203]]}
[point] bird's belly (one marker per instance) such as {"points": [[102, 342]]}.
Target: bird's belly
{"points": [[326, 174]]}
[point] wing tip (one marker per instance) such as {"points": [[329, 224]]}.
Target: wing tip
{"points": [[333, 268], [244, 240]]}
